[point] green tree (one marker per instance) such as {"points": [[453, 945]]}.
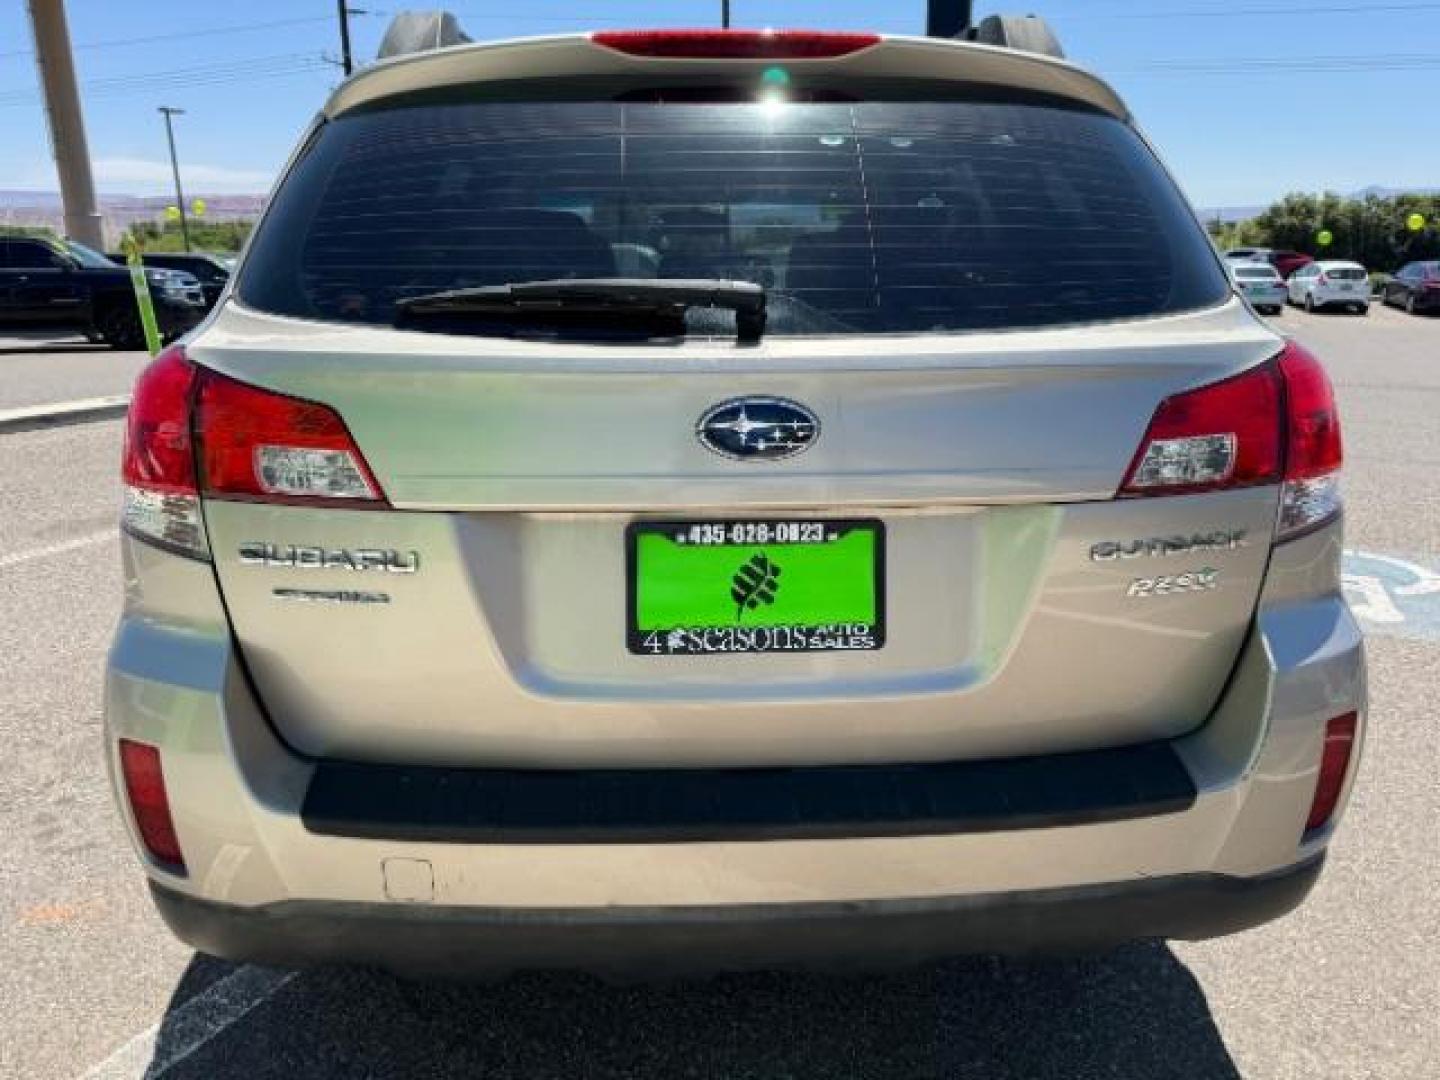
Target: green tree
{"points": [[28, 230], [219, 236], [1371, 231]]}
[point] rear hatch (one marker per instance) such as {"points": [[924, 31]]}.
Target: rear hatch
{"points": [[1347, 279], [889, 531], [1257, 280]]}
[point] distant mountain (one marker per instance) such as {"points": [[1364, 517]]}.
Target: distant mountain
{"points": [[13, 199], [9, 199], [1244, 213], [119, 212], [1391, 192], [1229, 214]]}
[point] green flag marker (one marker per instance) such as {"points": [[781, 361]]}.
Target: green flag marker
{"points": [[142, 295]]}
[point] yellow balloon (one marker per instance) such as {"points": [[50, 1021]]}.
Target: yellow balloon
{"points": [[198, 207], [1415, 222], [172, 213], [1324, 238]]}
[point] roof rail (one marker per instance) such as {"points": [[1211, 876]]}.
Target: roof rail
{"points": [[421, 31], [1028, 33]]}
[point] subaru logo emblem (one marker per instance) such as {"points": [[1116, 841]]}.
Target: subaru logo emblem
{"points": [[758, 428]]}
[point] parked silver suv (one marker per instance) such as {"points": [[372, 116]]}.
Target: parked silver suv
{"points": [[688, 500]]}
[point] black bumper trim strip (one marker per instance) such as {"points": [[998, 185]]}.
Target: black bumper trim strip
{"points": [[633, 806]]}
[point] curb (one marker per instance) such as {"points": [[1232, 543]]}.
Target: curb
{"points": [[61, 414]]}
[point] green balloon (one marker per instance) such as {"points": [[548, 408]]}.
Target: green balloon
{"points": [[1415, 222], [1324, 238]]}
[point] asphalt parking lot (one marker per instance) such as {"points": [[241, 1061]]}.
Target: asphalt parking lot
{"points": [[93, 985], [36, 370]]}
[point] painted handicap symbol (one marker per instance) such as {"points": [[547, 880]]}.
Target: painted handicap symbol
{"points": [[1392, 595]]}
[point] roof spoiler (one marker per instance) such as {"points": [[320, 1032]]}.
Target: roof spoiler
{"points": [[421, 31]]}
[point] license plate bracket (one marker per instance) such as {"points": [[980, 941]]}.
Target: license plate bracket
{"points": [[773, 585]]}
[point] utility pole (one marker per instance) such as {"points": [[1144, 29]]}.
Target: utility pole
{"points": [[345, 61], [67, 125], [947, 18], [725, 14], [168, 112]]}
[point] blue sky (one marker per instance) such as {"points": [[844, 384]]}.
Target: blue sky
{"points": [[1246, 99]]}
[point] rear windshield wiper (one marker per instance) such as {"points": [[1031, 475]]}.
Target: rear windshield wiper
{"points": [[665, 298]]}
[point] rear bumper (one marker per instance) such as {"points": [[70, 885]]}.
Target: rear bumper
{"points": [[416, 939], [277, 873], [1269, 298], [1328, 297]]}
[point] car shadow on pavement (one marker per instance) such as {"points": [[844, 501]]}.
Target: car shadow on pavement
{"points": [[1134, 1014]]}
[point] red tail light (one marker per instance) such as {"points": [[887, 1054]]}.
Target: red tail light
{"points": [[1314, 447], [1313, 453], [1274, 422], [149, 803], [190, 429], [264, 446], [1334, 764], [161, 502], [735, 44], [158, 454], [1225, 435]]}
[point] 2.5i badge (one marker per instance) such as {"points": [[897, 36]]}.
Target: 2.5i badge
{"points": [[699, 588]]}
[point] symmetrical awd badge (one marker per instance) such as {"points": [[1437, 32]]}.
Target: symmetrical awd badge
{"points": [[758, 428]]}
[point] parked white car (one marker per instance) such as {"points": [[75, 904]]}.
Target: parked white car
{"points": [[1321, 284], [1261, 284]]}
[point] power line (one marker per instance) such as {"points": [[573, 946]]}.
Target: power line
{"points": [[182, 78], [1262, 65], [298, 63], [249, 63], [202, 72], [115, 43], [576, 19], [1227, 13]]}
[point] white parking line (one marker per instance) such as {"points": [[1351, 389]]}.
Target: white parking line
{"points": [[63, 546], [192, 1025]]}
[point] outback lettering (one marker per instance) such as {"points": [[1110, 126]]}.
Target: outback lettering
{"points": [[1219, 540]]}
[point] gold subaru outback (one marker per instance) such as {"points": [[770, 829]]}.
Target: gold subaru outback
{"points": [[700, 500]]}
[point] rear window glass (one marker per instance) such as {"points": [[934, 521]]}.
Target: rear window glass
{"points": [[857, 218], [1345, 273]]}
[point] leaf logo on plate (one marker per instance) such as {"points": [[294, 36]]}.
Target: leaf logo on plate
{"points": [[755, 583]]}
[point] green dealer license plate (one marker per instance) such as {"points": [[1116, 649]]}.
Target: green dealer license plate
{"points": [[702, 588]]}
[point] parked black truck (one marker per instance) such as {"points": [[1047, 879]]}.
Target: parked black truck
{"points": [[48, 284]]}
